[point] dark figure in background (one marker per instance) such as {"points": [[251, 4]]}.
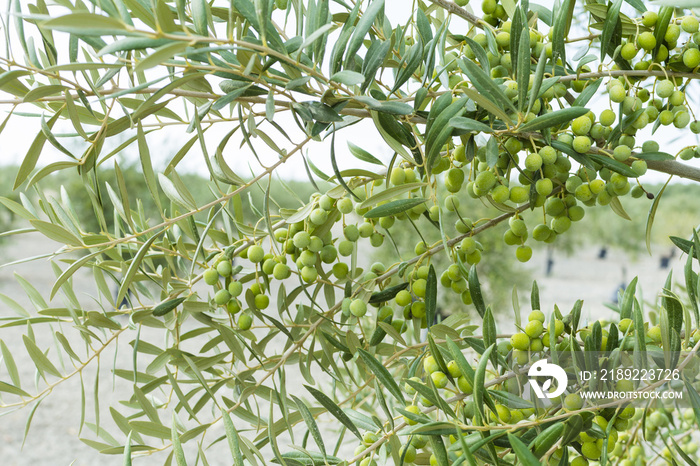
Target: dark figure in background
{"points": [[621, 287], [665, 260], [603, 252], [550, 261]]}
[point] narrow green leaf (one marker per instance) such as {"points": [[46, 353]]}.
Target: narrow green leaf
{"points": [[167, 306], [537, 80], [10, 364], [161, 55], [470, 125], [475, 291], [363, 155], [440, 131], [484, 84], [613, 164], [691, 285], [12, 389], [587, 94], [233, 439], [310, 424], [523, 76], [87, 24], [510, 400], [487, 105], [230, 97], [32, 156], [387, 293], [178, 452], [133, 268], [389, 136], [347, 77], [654, 156], [147, 166], [612, 21], [628, 300], [412, 60], [479, 390], [389, 194], [361, 29], [652, 214], [175, 193], [694, 400], [374, 59], [338, 175], [489, 332], [552, 119], [56, 233], [43, 91], [464, 367], [547, 438], [74, 267], [40, 360], [431, 293], [199, 16], [663, 20], [522, 452], [335, 410], [382, 374], [617, 207], [438, 447], [394, 207]]}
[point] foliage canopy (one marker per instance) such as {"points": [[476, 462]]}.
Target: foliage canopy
{"points": [[501, 107]]}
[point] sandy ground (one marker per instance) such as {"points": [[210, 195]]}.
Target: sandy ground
{"points": [[53, 436]]}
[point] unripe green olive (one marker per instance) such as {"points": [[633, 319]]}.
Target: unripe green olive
{"points": [[541, 232], [654, 333], [262, 301], [408, 452], [418, 309], [345, 205], [233, 306], [607, 117], [245, 321], [281, 271], [534, 328], [647, 41], [376, 239], [309, 274], [523, 253], [519, 194], [351, 232], [590, 450], [520, 341], [439, 379], [581, 144], [677, 98], [358, 308], [581, 125], [340, 270], [256, 254], [318, 216], [573, 402], [398, 176], [411, 409], [222, 297], [366, 230], [560, 224], [211, 276]]}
